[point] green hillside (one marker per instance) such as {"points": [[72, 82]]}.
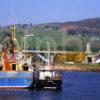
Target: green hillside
{"points": [[71, 36]]}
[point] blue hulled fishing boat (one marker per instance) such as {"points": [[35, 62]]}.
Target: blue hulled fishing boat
{"points": [[16, 70]]}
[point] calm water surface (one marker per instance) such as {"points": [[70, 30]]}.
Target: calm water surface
{"points": [[76, 86]]}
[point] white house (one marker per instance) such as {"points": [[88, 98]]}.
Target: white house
{"points": [[93, 58]]}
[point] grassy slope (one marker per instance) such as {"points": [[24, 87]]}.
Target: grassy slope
{"points": [[57, 39]]}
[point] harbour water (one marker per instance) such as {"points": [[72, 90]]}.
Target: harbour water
{"points": [[76, 86]]}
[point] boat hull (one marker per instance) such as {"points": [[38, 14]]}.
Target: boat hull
{"points": [[49, 84], [16, 79]]}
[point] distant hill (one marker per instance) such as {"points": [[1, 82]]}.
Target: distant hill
{"points": [[67, 35], [88, 26]]}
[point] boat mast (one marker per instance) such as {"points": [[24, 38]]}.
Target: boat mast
{"points": [[48, 48]]}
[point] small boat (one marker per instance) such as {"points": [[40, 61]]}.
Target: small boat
{"points": [[46, 76], [16, 71]]}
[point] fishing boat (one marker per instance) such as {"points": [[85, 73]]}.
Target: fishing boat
{"points": [[16, 71], [46, 76]]}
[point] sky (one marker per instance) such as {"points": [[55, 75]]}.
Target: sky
{"points": [[45, 11]]}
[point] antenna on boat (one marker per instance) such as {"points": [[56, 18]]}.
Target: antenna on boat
{"points": [[50, 59], [13, 25], [48, 47]]}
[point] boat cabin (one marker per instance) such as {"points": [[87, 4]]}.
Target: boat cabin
{"points": [[49, 74]]}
